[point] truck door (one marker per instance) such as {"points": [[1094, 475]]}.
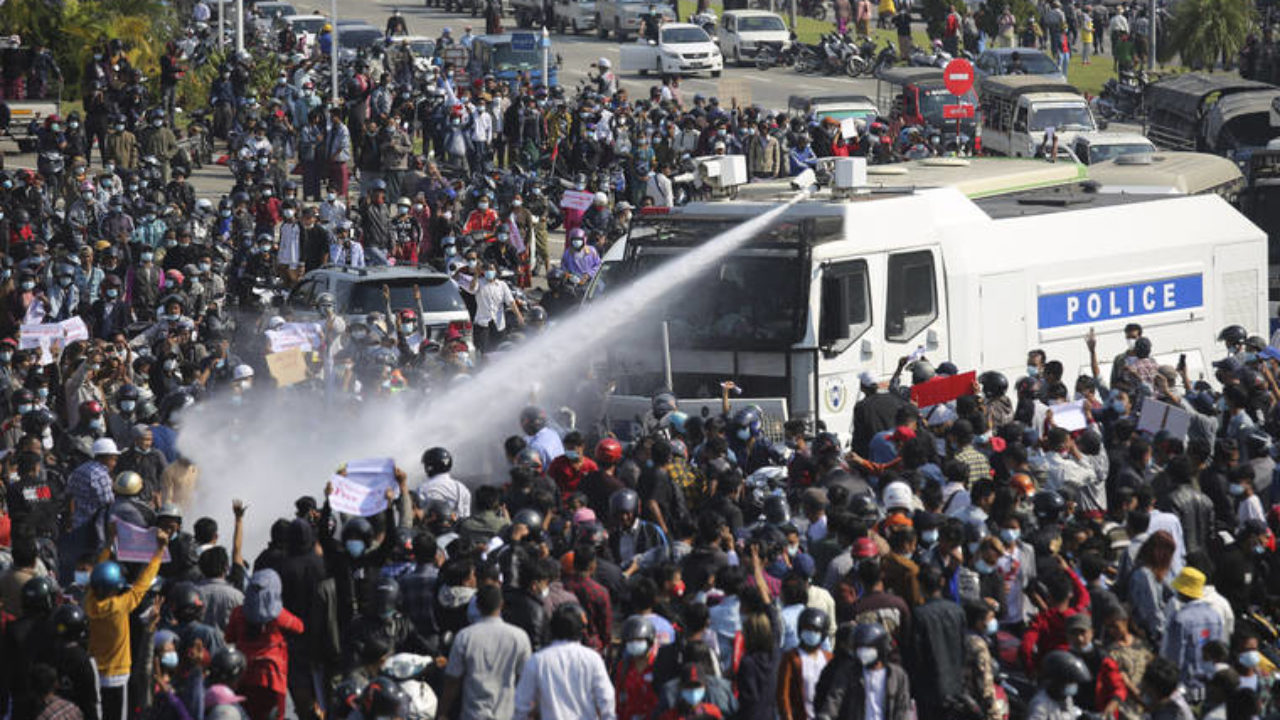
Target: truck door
{"points": [[1018, 139], [846, 339], [913, 312]]}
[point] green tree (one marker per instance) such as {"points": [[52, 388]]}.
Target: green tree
{"points": [[1203, 31]]}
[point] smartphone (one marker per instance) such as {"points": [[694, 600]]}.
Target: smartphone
{"points": [[1182, 361]]}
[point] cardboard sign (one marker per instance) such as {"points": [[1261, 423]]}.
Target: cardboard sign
{"points": [[1070, 416], [363, 489], [1156, 416], [943, 389], [74, 329], [848, 129], [136, 544], [576, 200], [288, 367], [304, 336]]}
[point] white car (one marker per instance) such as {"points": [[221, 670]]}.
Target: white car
{"points": [[681, 49], [743, 31], [306, 27]]}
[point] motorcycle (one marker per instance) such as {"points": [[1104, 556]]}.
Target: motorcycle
{"points": [[816, 9], [885, 59], [706, 20], [1122, 99], [771, 54]]}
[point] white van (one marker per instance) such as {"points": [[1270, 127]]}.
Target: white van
{"points": [[1018, 111], [846, 285]]}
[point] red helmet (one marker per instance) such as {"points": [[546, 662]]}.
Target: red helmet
{"points": [[407, 315], [91, 407], [608, 451]]}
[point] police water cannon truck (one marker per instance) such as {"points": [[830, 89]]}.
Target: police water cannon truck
{"points": [[857, 277]]}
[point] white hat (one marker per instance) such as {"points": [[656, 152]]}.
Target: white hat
{"points": [[939, 415], [105, 446], [275, 323], [241, 372], [601, 199], [866, 379], [604, 62], [898, 495]]}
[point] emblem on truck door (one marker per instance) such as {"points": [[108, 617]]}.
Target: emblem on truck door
{"points": [[834, 394], [1081, 307]]}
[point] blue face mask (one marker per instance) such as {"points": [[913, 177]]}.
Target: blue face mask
{"points": [[810, 638], [572, 454], [355, 548], [82, 578], [1032, 371], [1010, 535], [992, 626], [744, 433], [6, 357], [490, 274], [112, 293], [692, 696], [929, 537], [128, 405], [984, 567], [169, 660], [148, 257]]}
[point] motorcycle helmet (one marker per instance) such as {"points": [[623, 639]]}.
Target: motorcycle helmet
{"points": [[624, 501], [608, 451], [70, 623], [437, 461], [38, 596]]}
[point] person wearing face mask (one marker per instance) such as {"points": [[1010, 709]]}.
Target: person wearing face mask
{"points": [[801, 666], [864, 684], [64, 296], [110, 314], [981, 695], [1162, 693], [159, 142], [580, 260], [1193, 624], [121, 147], [1061, 675], [633, 675], [493, 298]]}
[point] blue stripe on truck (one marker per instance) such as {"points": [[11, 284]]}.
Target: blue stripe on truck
{"points": [[1080, 307]]}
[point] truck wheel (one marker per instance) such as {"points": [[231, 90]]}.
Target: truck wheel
{"points": [[576, 30], [601, 31], [715, 73], [737, 56]]}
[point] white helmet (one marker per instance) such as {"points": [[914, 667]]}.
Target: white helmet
{"points": [[601, 199], [275, 322], [604, 63], [898, 495], [204, 205], [241, 372]]}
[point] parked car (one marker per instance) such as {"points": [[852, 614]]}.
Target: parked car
{"points": [[1095, 147], [353, 38], [997, 61], [681, 49], [576, 15], [742, 31]]}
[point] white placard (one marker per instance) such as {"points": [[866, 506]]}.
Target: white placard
{"points": [[1157, 416], [136, 544], [576, 199], [1070, 416]]}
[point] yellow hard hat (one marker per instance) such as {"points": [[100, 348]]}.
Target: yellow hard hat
{"points": [[327, 27]]}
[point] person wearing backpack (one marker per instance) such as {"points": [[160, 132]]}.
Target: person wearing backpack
{"points": [[258, 630]]}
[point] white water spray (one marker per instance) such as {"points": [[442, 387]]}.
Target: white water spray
{"points": [[270, 454]]}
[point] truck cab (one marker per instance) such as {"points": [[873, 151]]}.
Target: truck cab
{"points": [[840, 107], [916, 96], [1096, 147], [510, 57], [743, 31], [1019, 110], [623, 17]]}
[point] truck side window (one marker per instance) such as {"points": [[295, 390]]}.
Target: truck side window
{"points": [[1020, 120], [304, 297], [846, 305], [912, 303]]}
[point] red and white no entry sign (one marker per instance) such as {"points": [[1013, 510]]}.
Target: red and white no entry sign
{"points": [[958, 76]]}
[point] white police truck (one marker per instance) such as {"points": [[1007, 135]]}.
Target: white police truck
{"points": [[853, 280]]}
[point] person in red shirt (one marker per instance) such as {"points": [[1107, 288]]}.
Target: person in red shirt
{"points": [[633, 678], [258, 630], [572, 467], [482, 218], [1048, 632], [692, 704]]}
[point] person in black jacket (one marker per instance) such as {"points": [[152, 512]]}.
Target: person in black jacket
{"points": [[873, 413], [938, 647], [523, 606]]}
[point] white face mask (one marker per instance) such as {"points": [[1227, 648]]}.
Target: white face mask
{"points": [[867, 655], [636, 648], [1070, 690]]}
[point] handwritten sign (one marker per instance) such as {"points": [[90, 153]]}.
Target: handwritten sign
{"points": [[45, 335], [576, 200], [363, 489], [304, 336], [1070, 416], [136, 544], [74, 329], [288, 367], [848, 129]]}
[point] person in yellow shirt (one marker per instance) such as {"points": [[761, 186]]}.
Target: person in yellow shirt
{"points": [[108, 605], [886, 10], [1086, 34]]}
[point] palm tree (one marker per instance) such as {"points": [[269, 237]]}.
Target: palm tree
{"points": [[1203, 31]]}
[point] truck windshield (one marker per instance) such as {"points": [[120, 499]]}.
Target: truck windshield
{"points": [[685, 35], [1033, 63], [1102, 153], [752, 299], [438, 295], [504, 58], [1062, 117], [932, 102]]}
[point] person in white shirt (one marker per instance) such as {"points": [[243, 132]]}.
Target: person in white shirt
{"points": [[332, 210], [481, 134], [1248, 506], [657, 187], [289, 256], [565, 680], [493, 298], [345, 250], [440, 485]]}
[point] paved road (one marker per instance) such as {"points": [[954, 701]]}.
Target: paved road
{"points": [[769, 89]]}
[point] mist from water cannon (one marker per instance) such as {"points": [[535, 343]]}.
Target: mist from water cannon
{"points": [[272, 452]]}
